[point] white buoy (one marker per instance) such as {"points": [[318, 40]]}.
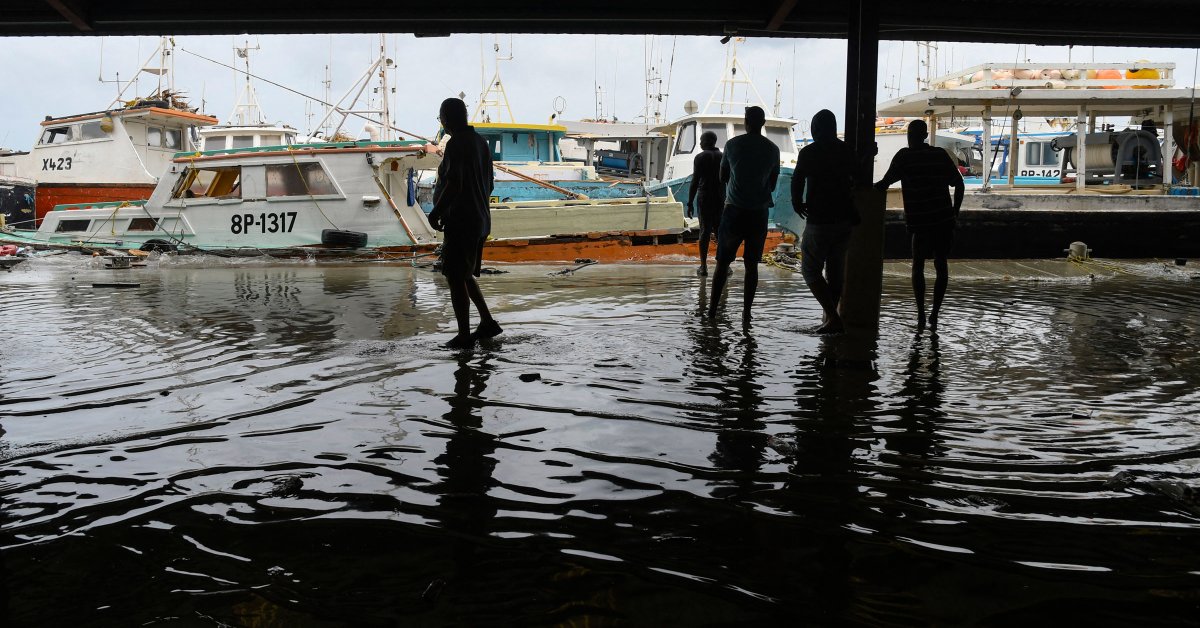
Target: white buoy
{"points": [[1078, 251]]}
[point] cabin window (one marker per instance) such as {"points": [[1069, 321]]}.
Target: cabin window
{"points": [[687, 139], [91, 131], [243, 141], [270, 140], [209, 183], [719, 129], [142, 224], [73, 225], [154, 136], [1033, 153], [173, 139], [56, 135], [302, 179], [289, 138]]}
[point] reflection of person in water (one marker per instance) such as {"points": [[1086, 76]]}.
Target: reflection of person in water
{"points": [[741, 439], [835, 397], [921, 411], [466, 468]]}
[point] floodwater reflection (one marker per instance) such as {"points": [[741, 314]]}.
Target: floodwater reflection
{"points": [[287, 444]]}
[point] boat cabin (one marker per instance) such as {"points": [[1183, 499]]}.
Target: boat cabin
{"points": [[521, 142], [686, 132], [246, 136]]}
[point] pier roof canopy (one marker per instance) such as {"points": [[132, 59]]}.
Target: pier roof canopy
{"points": [[1040, 102], [1170, 23]]}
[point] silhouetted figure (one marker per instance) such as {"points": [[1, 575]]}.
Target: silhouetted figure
{"points": [[825, 170], [461, 210], [749, 169], [706, 179], [925, 173]]}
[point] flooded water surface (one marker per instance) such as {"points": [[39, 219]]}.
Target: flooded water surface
{"points": [[287, 445]]}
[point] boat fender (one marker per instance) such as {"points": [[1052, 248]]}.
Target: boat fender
{"points": [[157, 246], [343, 239], [7, 250], [412, 187]]}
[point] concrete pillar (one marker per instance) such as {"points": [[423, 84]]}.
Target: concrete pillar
{"points": [[1080, 150], [864, 267], [988, 154]]}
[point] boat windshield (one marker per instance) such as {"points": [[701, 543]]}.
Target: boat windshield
{"points": [[720, 129], [225, 182], [781, 136]]}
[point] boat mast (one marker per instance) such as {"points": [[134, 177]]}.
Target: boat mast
{"points": [[733, 76], [247, 111], [493, 95]]}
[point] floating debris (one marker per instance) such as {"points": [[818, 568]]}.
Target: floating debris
{"points": [[116, 284]]}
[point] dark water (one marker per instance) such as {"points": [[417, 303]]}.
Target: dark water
{"points": [[287, 446]]}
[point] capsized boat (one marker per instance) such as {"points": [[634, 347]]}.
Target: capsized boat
{"points": [[354, 198]]}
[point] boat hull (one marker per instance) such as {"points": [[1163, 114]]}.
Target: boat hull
{"points": [[780, 213], [50, 195]]}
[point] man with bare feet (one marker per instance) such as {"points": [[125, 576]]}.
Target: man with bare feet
{"points": [[925, 174], [825, 171], [706, 179], [749, 169], [461, 210]]}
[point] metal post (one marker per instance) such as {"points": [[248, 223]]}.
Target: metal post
{"points": [[1014, 154], [1168, 144], [864, 266], [1081, 150], [988, 153]]}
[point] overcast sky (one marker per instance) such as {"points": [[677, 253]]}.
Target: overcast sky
{"points": [[61, 76]]}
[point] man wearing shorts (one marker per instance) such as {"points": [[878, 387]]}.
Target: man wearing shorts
{"points": [[749, 169], [706, 179], [461, 210], [825, 170], [925, 174]]}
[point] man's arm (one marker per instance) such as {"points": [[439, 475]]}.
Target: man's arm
{"points": [[725, 166], [956, 180], [891, 176], [799, 179], [449, 184], [696, 168]]}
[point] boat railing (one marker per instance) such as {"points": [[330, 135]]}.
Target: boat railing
{"points": [[307, 146], [1135, 75]]}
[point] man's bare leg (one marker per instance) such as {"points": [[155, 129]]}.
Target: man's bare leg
{"points": [[751, 288], [918, 282], [719, 278], [939, 288], [461, 302]]}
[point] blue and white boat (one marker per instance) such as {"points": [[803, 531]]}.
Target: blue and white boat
{"points": [[724, 115]]}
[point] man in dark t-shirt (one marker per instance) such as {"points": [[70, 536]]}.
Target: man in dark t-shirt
{"points": [[706, 179], [925, 174], [749, 170], [461, 209], [821, 188]]}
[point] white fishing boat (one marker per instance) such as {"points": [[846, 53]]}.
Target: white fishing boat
{"points": [[341, 198], [247, 126], [114, 154], [724, 115]]}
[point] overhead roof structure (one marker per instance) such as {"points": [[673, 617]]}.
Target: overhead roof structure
{"points": [[1169, 23], [1041, 102]]}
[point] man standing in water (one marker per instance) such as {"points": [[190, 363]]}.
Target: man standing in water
{"points": [[461, 210], [825, 169], [706, 178], [749, 169], [925, 173]]}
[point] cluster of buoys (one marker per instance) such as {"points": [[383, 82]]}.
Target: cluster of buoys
{"points": [[1053, 78]]}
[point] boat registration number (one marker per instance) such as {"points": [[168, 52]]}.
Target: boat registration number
{"points": [[1040, 173], [281, 222]]}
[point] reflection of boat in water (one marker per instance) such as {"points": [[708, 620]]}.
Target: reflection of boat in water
{"points": [[115, 154], [1114, 189]]}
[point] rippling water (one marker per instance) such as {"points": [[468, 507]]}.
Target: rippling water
{"points": [[286, 445]]}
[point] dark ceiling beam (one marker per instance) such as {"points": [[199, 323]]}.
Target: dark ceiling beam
{"points": [[781, 14], [73, 14]]}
